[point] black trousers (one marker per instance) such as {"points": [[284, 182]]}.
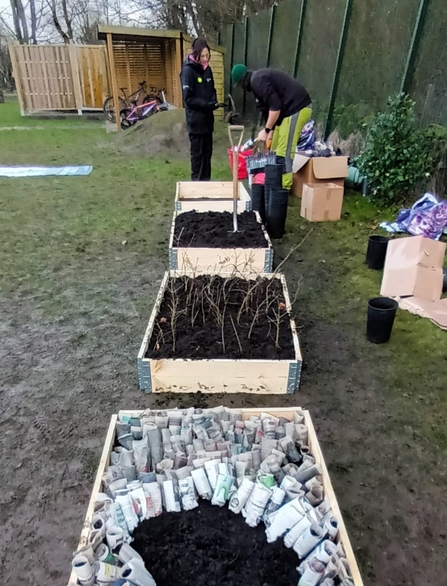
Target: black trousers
{"points": [[201, 153]]}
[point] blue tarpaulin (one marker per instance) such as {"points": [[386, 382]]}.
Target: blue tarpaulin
{"points": [[68, 171]]}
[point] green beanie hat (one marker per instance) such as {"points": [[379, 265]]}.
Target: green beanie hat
{"points": [[237, 73]]}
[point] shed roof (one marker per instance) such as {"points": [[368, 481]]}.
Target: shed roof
{"points": [[123, 33]]}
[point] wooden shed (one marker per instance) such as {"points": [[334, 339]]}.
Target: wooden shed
{"points": [[155, 56]]}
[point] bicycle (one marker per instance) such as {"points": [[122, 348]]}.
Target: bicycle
{"points": [[130, 116], [126, 101]]}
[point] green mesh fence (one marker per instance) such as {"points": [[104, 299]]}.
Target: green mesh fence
{"points": [[379, 38], [322, 27], [429, 87], [225, 41], [372, 66], [257, 45], [238, 57], [284, 39]]}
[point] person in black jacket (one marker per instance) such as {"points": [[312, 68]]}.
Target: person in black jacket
{"points": [[200, 101], [286, 106]]}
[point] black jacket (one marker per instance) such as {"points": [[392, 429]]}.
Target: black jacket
{"points": [[199, 97], [275, 90]]}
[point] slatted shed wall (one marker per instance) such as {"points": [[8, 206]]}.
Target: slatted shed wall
{"points": [[155, 56], [60, 77]]}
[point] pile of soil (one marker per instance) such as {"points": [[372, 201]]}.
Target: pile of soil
{"points": [[212, 317], [164, 134], [211, 546], [215, 230]]}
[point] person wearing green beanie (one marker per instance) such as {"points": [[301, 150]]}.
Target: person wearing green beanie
{"points": [[286, 107]]}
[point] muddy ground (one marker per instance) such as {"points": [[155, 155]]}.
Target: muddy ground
{"points": [[66, 366], [64, 377]]}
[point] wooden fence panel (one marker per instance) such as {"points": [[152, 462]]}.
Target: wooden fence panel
{"points": [[60, 77]]}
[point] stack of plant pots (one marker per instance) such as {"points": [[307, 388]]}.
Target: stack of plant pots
{"points": [[275, 200]]}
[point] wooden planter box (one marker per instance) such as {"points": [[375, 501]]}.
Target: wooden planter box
{"points": [[178, 375], [213, 196], [221, 260], [286, 412]]}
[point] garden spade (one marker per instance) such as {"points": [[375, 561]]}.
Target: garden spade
{"points": [[231, 130]]}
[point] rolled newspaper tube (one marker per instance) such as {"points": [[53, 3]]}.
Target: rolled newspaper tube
{"points": [[280, 432], [124, 499], [315, 496], [171, 501], [155, 445], [126, 440], [202, 484], [153, 499], [331, 528], [186, 433], [103, 554], [312, 575], [303, 476], [212, 471], [305, 450], [166, 439], [333, 567], [114, 537], [161, 419], [267, 445], [106, 573], [137, 432], [302, 433], [138, 499], [188, 493], [222, 491], [298, 417], [256, 458], [184, 472], [119, 520], [322, 553], [315, 482], [344, 569], [328, 581], [210, 445], [273, 505], [127, 553], [275, 469], [83, 570], [297, 530], [86, 551], [289, 449], [180, 460], [240, 497], [121, 457], [129, 473], [287, 517], [255, 506], [308, 540], [290, 430]]}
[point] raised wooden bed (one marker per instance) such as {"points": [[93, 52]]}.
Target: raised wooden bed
{"points": [[181, 375], [214, 196], [220, 260], [286, 412]]}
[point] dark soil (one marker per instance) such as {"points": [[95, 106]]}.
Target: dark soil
{"points": [[211, 546], [215, 230], [213, 317]]}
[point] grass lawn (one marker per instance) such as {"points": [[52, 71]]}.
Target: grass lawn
{"points": [[81, 259]]}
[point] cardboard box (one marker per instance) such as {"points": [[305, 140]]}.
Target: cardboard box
{"points": [[318, 170], [435, 311], [322, 202], [414, 250], [418, 281]]}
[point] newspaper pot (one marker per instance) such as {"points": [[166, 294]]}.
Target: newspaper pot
{"points": [[277, 213], [380, 320], [258, 200], [376, 252]]}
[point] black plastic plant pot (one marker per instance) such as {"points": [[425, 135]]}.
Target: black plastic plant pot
{"points": [[273, 175], [277, 212], [257, 200], [380, 320], [267, 191], [376, 252], [444, 280]]}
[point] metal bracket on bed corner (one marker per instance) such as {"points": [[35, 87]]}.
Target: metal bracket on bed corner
{"points": [[144, 376], [268, 261], [173, 259], [294, 377], [178, 206]]}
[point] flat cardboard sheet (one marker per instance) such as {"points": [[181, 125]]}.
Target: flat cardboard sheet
{"points": [[435, 311]]}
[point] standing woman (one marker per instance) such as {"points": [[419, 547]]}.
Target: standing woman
{"points": [[200, 100]]}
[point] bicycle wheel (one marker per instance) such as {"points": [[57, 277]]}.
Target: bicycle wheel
{"points": [[109, 109], [125, 124]]}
